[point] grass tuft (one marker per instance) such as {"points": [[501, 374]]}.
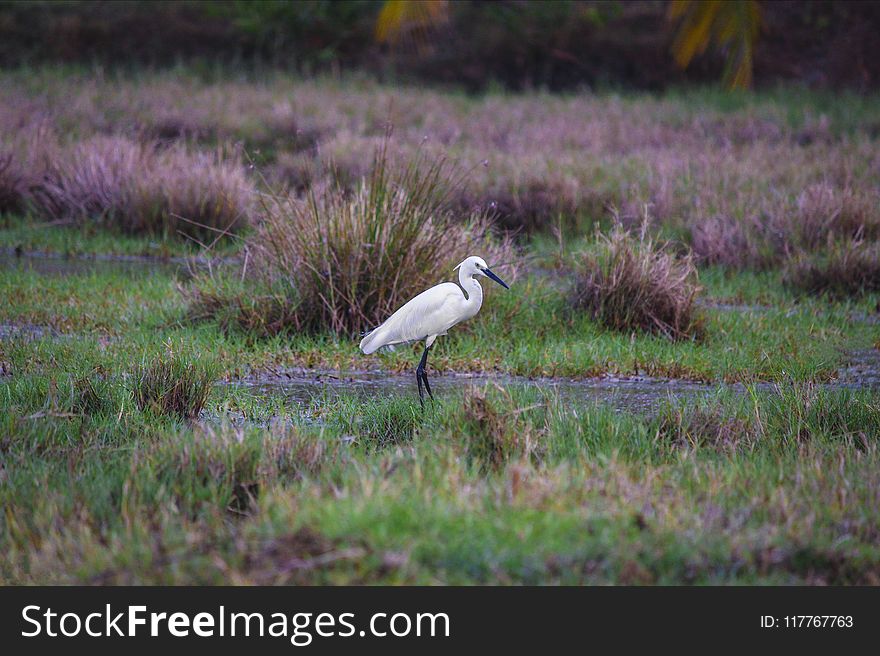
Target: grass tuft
{"points": [[494, 434], [730, 242], [344, 261], [92, 396], [377, 423], [825, 213], [706, 427], [172, 385], [226, 467], [850, 268], [633, 284], [13, 187]]}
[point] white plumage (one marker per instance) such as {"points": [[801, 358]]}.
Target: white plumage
{"points": [[432, 313]]}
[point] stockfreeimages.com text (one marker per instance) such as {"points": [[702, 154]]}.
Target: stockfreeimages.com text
{"points": [[300, 628]]}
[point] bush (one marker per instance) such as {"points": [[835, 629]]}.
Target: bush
{"points": [[172, 385], [345, 260], [848, 268], [633, 284], [141, 189], [25, 151]]}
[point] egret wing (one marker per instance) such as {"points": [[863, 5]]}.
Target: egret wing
{"points": [[430, 313]]}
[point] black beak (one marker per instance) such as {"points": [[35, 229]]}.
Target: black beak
{"points": [[489, 273]]}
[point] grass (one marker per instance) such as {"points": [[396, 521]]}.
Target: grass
{"points": [[491, 486], [13, 186], [631, 284], [849, 268], [139, 188], [128, 315], [494, 436], [170, 384], [762, 164], [125, 458], [604, 502], [344, 262], [29, 235]]}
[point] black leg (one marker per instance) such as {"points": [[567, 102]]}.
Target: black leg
{"points": [[419, 382], [422, 376], [427, 386]]}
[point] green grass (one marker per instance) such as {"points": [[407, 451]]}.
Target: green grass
{"points": [[488, 486], [525, 331], [776, 480], [601, 497], [38, 237]]}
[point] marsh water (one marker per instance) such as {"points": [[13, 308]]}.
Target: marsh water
{"points": [[300, 387], [623, 393], [75, 265], [632, 394]]}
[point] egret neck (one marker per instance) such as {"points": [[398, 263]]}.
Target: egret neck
{"points": [[473, 291]]}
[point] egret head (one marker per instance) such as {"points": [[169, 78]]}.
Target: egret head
{"points": [[476, 266]]}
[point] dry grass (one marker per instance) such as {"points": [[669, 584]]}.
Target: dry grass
{"points": [[821, 215], [236, 466], [25, 151], [13, 187], [344, 261], [750, 186], [726, 241], [847, 268], [139, 188], [825, 213], [633, 284]]}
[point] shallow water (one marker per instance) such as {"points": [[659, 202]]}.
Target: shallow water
{"points": [[631, 394], [57, 265]]}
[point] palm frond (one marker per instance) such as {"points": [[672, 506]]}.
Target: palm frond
{"points": [[730, 26], [410, 21]]}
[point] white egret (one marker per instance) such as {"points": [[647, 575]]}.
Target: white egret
{"points": [[432, 313]]}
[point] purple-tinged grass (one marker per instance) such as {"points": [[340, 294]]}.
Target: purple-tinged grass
{"points": [[847, 268], [138, 188]]}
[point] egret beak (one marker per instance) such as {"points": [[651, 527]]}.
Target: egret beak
{"points": [[491, 275]]}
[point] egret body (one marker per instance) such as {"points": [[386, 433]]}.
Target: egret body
{"points": [[432, 313]]}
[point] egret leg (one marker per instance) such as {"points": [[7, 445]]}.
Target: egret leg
{"points": [[427, 386], [422, 376], [419, 383]]}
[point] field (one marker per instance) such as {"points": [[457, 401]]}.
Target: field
{"points": [[680, 387]]}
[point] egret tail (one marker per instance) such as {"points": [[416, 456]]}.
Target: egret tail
{"points": [[372, 341]]}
